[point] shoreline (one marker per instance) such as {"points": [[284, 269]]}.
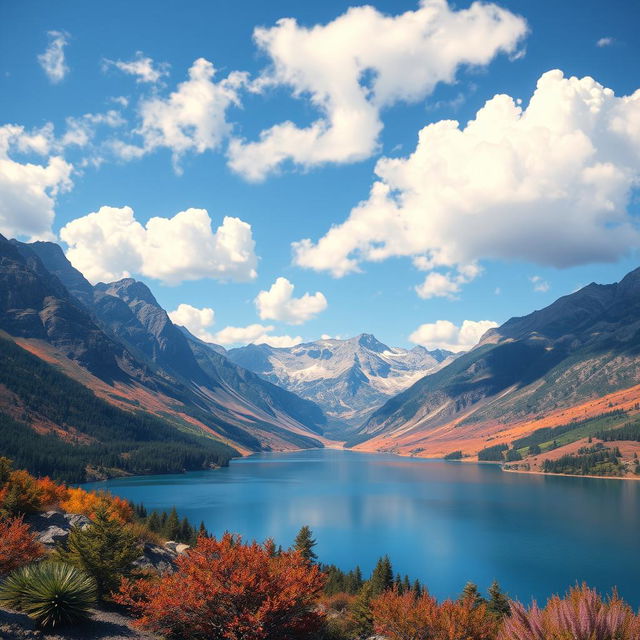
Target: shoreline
{"points": [[571, 475]]}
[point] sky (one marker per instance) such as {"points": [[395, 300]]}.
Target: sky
{"points": [[283, 171]]}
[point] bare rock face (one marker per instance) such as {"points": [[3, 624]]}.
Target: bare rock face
{"points": [[53, 527]]}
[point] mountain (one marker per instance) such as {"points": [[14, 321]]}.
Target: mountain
{"points": [[566, 362], [118, 342], [348, 379]]}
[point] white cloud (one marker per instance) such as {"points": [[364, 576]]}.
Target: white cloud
{"points": [[142, 67], [28, 190], [358, 64], [52, 60], [192, 118], [254, 334], [110, 244], [279, 304], [443, 334], [81, 130], [539, 285], [605, 42], [198, 321], [444, 285], [549, 184]]}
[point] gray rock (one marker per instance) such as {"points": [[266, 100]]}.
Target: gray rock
{"points": [[52, 527], [155, 558]]}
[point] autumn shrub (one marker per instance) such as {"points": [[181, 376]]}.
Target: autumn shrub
{"points": [[403, 616], [89, 503], [53, 594], [20, 494], [18, 545], [230, 590], [581, 615], [51, 493]]}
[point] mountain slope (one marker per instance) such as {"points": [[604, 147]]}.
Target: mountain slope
{"points": [[578, 349], [347, 378], [129, 350]]}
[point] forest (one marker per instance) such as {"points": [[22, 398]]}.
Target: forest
{"points": [[99, 439]]}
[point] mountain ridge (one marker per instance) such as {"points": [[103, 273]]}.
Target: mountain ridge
{"points": [[348, 378]]}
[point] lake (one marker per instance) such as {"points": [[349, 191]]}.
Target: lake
{"points": [[442, 522]]}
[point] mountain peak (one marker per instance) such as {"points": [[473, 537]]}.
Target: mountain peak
{"points": [[369, 341], [129, 289]]}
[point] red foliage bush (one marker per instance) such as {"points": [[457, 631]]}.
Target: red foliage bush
{"points": [[227, 589], [18, 545], [405, 617]]}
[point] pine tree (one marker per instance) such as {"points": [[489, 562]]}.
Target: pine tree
{"points": [[105, 550], [382, 576], [353, 581], [186, 532], [171, 528], [361, 612], [154, 523], [471, 592], [417, 588], [202, 530], [406, 585], [304, 543], [397, 584], [498, 602]]}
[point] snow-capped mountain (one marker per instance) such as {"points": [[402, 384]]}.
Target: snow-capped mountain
{"points": [[348, 379]]}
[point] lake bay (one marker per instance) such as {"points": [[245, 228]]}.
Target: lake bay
{"points": [[442, 522]]}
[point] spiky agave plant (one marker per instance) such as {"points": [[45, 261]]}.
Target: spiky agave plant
{"points": [[52, 593]]}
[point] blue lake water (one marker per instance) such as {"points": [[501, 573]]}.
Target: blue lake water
{"points": [[442, 522]]}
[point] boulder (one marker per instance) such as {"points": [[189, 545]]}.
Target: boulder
{"points": [[52, 527]]}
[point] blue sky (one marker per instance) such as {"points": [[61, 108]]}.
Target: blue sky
{"points": [[542, 221]]}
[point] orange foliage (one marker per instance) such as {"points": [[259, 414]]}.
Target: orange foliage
{"points": [[26, 491], [405, 617], [51, 493], [229, 590], [18, 545], [87, 503]]}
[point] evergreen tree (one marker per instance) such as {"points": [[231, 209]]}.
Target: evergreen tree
{"points": [[397, 584], [202, 531], [154, 523], [361, 612], [471, 592], [417, 588], [498, 602], [171, 527], [186, 532], [406, 585], [382, 576], [105, 550], [353, 581], [304, 543]]}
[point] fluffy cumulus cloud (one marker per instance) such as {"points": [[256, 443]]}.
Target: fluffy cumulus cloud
{"points": [[360, 63], [278, 303], [110, 244], [52, 60], [198, 321], [254, 334], [28, 189], [443, 334], [142, 67], [191, 119], [549, 183]]}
